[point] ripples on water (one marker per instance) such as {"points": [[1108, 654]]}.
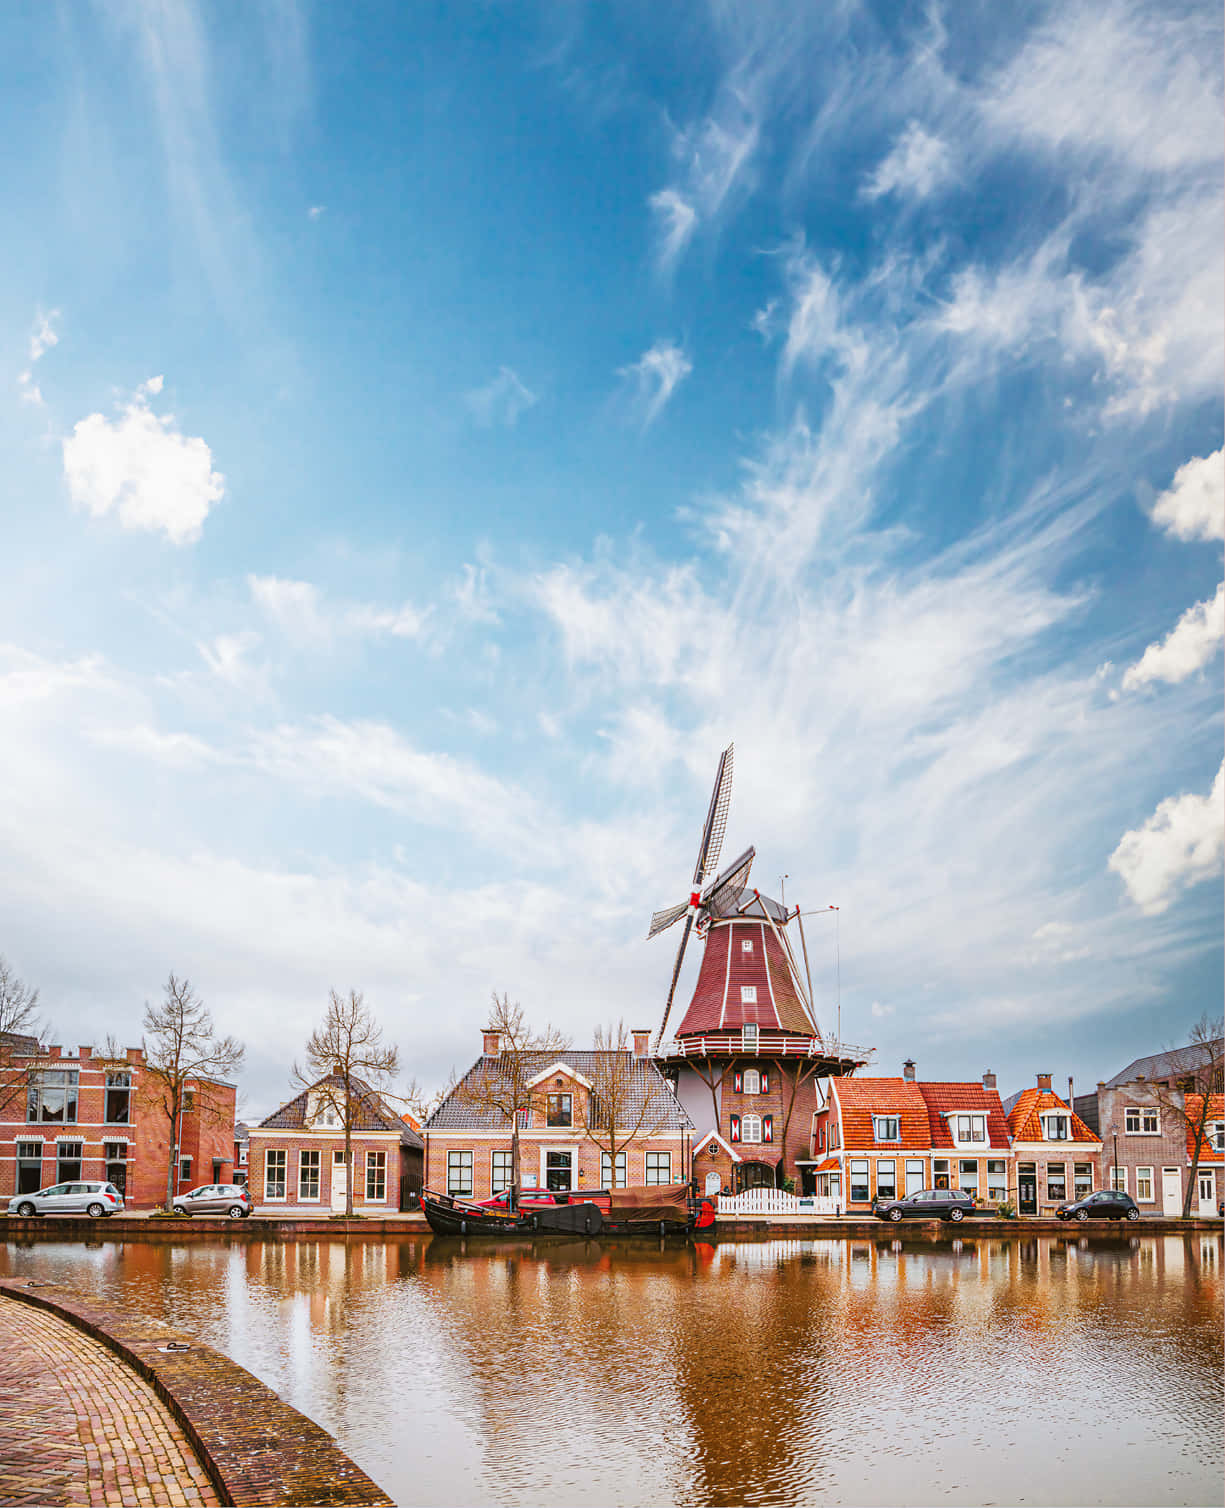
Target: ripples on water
{"points": [[1027, 1370]]}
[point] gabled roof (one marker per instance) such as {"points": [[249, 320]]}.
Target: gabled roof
{"points": [[1216, 1112], [943, 1100], [860, 1099], [1027, 1107], [718, 1002], [19, 1045], [372, 1114], [1175, 1063], [714, 1136], [647, 1084]]}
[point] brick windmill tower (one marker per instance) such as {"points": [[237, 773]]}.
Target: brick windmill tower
{"points": [[747, 1056]]}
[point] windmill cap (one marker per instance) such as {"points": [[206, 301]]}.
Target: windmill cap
{"points": [[736, 903]]}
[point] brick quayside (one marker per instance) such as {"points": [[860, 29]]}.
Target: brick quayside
{"points": [[105, 1416]]}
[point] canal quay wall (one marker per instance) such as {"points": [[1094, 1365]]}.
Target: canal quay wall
{"points": [[255, 1448]]}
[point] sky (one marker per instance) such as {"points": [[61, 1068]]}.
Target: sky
{"points": [[433, 433]]}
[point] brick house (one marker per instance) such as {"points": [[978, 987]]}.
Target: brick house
{"points": [[468, 1147], [66, 1115], [1057, 1154], [296, 1157], [885, 1137], [1210, 1171]]}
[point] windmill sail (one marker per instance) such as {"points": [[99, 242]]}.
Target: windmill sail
{"points": [[662, 920], [716, 818]]}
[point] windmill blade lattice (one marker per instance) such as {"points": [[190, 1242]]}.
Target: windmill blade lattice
{"points": [[662, 920], [733, 879]]}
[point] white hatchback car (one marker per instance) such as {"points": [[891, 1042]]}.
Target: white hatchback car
{"points": [[82, 1197]]}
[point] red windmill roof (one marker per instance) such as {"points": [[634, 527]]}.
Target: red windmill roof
{"points": [[730, 969]]}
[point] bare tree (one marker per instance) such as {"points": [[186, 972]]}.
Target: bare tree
{"points": [[504, 1088], [182, 1044], [617, 1110], [21, 1026], [1193, 1075], [347, 1064]]}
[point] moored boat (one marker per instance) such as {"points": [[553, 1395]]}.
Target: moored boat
{"points": [[655, 1211]]}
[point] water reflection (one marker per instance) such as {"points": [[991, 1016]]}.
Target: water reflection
{"points": [[1052, 1369]]}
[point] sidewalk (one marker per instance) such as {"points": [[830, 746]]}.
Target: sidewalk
{"points": [[80, 1427]]}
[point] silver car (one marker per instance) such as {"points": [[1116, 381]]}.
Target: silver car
{"points": [[229, 1199], [82, 1197]]}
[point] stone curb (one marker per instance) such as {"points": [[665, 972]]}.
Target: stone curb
{"points": [[256, 1448]]}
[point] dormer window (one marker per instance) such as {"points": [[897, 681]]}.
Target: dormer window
{"points": [[1216, 1135], [748, 1036], [887, 1127], [971, 1128], [558, 1110], [324, 1114], [746, 944], [748, 994], [1056, 1128]]}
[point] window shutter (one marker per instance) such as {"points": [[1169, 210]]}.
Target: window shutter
{"points": [[765, 1081], [735, 1128], [738, 1082], [767, 1128]]}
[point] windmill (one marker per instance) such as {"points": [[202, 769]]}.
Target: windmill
{"points": [[734, 877]]}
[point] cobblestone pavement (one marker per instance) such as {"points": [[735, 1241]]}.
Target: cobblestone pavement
{"points": [[78, 1426]]}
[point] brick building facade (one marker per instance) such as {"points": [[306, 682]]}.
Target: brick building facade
{"points": [[1058, 1155]]}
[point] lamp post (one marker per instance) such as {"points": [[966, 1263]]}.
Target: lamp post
{"points": [[1114, 1172]]}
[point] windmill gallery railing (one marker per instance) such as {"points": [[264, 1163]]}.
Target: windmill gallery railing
{"points": [[776, 1202], [768, 1045]]}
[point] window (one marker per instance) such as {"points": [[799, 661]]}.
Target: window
{"points": [[606, 1178], [835, 1136], [940, 1172], [997, 1179], [972, 1128], [185, 1169], [29, 1167], [1082, 1179], [859, 1182], [275, 1159], [1056, 1180], [886, 1179], [914, 1174], [1144, 1185], [659, 1167], [752, 1081], [1056, 1127], [326, 1116], [967, 1176], [117, 1111], [1118, 1180], [52, 1096], [243, 1149], [376, 1177], [308, 1174], [750, 1128], [748, 994], [189, 1101], [501, 1171], [1216, 1135], [558, 1111], [459, 1173], [746, 944], [887, 1127], [748, 1036], [1141, 1120], [558, 1170], [67, 1160]]}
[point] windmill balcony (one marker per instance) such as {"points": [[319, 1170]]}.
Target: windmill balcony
{"points": [[769, 1045]]}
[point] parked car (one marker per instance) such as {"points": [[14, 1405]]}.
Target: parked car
{"points": [[1106, 1204], [536, 1199], [926, 1204], [81, 1197], [230, 1199]]}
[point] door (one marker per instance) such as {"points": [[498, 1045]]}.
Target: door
{"points": [[340, 1182], [558, 1169], [1207, 1193], [1171, 1191], [1027, 1193]]}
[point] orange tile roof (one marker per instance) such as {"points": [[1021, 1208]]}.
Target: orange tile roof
{"points": [[860, 1099], [828, 1165], [1216, 1112], [941, 1099], [1024, 1122]]}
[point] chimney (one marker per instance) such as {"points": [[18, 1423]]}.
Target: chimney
{"points": [[492, 1041], [135, 1054], [84, 1052], [1044, 1081], [642, 1043], [908, 1070], [1071, 1096], [55, 1052], [988, 1080]]}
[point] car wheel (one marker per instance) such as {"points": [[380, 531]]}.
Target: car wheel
{"points": [[26, 1210], [1082, 1214], [236, 1212], [178, 1210], [95, 1211], [895, 1214], [1133, 1214], [956, 1214]]}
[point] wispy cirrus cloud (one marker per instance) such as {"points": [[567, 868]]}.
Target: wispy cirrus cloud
{"points": [[711, 157], [502, 401], [917, 165], [42, 338], [654, 377], [302, 612]]}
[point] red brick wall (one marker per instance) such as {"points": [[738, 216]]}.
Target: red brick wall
{"points": [[327, 1146]]}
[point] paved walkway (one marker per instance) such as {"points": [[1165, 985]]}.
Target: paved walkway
{"points": [[78, 1426]]}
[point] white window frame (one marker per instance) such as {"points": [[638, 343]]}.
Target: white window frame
{"points": [[851, 1175], [1151, 1196], [748, 994], [501, 1180], [915, 1174], [1056, 1115], [754, 1121], [1118, 1180], [606, 1178], [376, 1163], [751, 1081], [303, 1154], [665, 1166], [1077, 1192], [889, 1163], [184, 1169], [1052, 1198], [997, 1180], [276, 1156], [882, 1120], [1142, 1113], [971, 1118], [1216, 1135], [746, 944], [456, 1164], [749, 1036]]}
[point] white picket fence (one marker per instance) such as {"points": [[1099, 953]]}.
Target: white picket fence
{"points": [[776, 1202]]}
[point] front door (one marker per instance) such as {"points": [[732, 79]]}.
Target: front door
{"points": [[558, 1169], [1171, 1191], [340, 1181], [1027, 1193], [1207, 1193]]}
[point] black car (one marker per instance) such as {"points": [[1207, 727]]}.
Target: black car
{"points": [[1106, 1204], [927, 1204]]}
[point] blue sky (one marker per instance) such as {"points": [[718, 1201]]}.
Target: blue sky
{"points": [[433, 433]]}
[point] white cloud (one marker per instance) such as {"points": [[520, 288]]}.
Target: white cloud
{"points": [[316, 211], [142, 466], [918, 164], [300, 612], [42, 338], [654, 377], [879, 1011], [474, 596], [502, 400], [1188, 647], [182, 751], [227, 657], [711, 157], [1194, 506], [1178, 846], [677, 222]]}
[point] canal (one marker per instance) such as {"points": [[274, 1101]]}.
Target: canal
{"points": [[1041, 1369]]}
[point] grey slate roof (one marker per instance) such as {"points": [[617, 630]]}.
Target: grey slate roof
{"points": [[372, 1114], [1011, 1101], [647, 1085], [1166, 1065]]}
